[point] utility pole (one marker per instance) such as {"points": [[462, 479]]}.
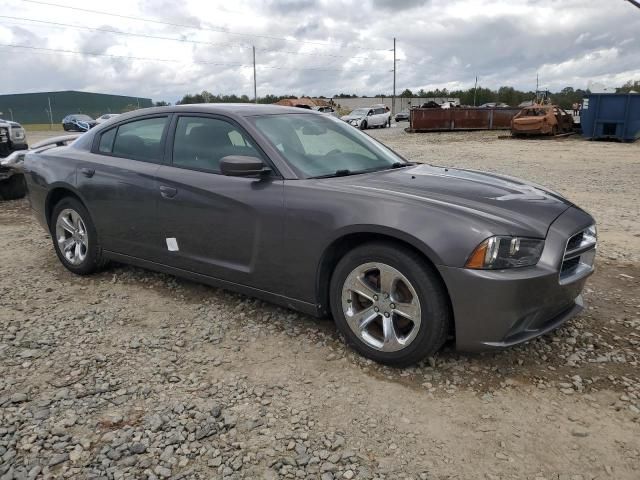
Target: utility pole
{"points": [[475, 90], [255, 85], [393, 100], [50, 113]]}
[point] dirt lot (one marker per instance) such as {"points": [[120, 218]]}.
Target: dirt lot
{"points": [[132, 374]]}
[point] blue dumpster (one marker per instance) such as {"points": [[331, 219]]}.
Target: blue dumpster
{"points": [[611, 115]]}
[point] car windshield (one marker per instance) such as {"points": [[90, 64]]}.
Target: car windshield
{"points": [[359, 112], [82, 118], [320, 145]]}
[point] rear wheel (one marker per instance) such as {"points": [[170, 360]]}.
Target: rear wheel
{"points": [[389, 304], [74, 237]]}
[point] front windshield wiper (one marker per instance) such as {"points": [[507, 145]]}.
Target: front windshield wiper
{"points": [[402, 164], [338, 173], [345, 172]]}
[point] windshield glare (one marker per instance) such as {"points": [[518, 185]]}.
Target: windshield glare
{"points": [[318, 145], [83, 118], [359, 112]]}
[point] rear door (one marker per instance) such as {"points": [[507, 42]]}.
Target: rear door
{"points": [[226, 227], [118, 183], [380, 117]]}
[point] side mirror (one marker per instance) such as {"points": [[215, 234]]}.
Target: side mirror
{"points": [[241, 166], [369, 114]]}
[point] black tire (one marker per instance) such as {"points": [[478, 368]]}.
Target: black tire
{"points": [[363, 125], [93, 261], [435, 311], [13, 188]]}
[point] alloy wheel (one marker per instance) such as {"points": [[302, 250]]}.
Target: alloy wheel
{"points": [[72, 236], [381, 307]]}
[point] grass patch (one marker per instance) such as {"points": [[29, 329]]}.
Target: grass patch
{"points": [[42, 127]]}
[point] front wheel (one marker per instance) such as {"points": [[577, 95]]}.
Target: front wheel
{"points": [[389, 304], [363, 125], [74, 237]]}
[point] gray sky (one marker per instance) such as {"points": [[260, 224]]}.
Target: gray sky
{"points": [[316, 47]]}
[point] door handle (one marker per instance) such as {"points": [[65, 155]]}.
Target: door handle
{"points": [[168, 192], [87, 172]]}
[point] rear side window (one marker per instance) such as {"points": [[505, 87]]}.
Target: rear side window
{"points": [[106, 141], [379, 111], [138, 140], [200, 143]]}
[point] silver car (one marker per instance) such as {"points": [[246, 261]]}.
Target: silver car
{"points": [[369, 117]]}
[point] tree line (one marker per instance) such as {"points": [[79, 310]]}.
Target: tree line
{"points": [[509, 95]]}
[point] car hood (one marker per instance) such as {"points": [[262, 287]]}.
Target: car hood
{"points": [[351, 117], [515, 206]]}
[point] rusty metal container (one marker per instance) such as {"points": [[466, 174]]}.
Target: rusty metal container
{"points": [[437, 119]]}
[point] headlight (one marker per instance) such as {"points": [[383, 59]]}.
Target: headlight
{"points": [[17, 133], [506, 252]]}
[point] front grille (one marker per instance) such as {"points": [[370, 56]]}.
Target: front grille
{"points": [[579, 255], [575, 241]]}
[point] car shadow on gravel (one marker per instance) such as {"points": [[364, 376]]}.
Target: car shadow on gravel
{"points": [[598, 349]]}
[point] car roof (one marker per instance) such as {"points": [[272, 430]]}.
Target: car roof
{"points": [[238, 109]]}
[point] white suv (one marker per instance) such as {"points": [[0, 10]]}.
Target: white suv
{"points": [[12, 137], [376, 116]]}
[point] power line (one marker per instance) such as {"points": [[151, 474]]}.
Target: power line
{"points": [[182, 40], [119, 32], [182, 25], [152, 59], [634, 2]]}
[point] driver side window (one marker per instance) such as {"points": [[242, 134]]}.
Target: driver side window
{"points": [[200, 143]]}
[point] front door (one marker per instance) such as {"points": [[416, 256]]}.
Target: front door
{"points": [[225, 227]]}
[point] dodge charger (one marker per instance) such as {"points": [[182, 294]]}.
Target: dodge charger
{"points": [[300, 209]]}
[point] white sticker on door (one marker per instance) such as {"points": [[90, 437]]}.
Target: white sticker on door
{"points": [[172, 244]]}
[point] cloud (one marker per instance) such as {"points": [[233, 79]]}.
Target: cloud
{"points": [[323, 47], [397, 5]]}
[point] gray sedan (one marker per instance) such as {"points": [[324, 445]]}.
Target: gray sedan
{"points": [[298, 208]]}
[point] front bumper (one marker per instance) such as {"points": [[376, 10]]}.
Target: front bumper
{"points": [[501, 308], [532, 129], [354, 121]]}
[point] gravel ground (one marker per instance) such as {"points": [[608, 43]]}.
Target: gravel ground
{"points": [[133, 374]]}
